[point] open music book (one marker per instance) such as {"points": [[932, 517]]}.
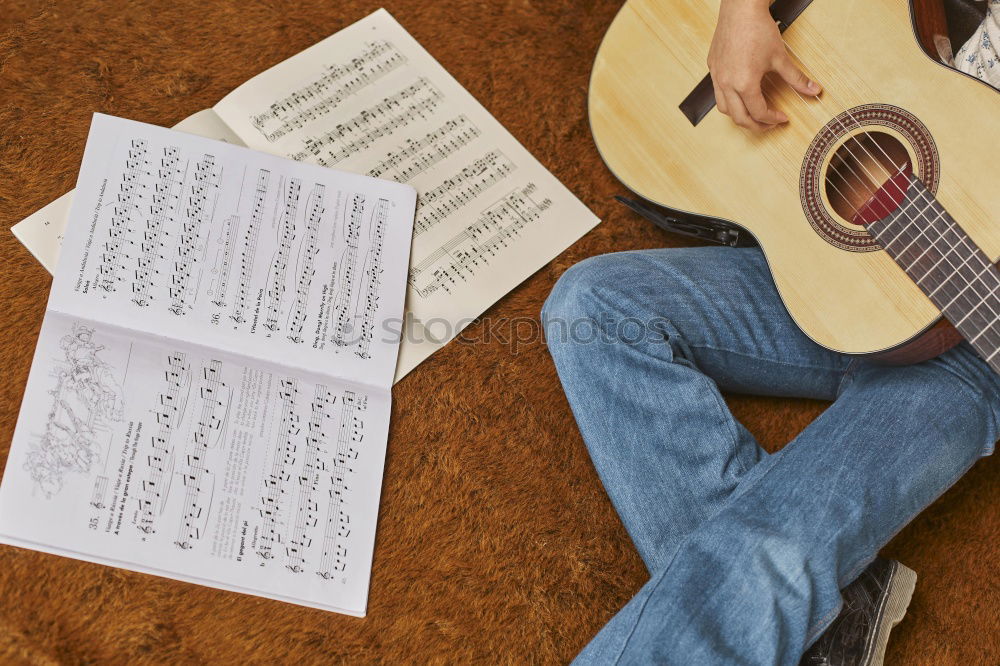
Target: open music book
{"points": [[159, 430], [371, 100]]}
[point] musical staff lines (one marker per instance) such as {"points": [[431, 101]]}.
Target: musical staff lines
{"points": [[165, 197], [129, 190], [100, 491], [454, 192], [250, 245], [307, 513], [286, 235], [414, 102], [284, 458], [465, 253], [417, 155], [348, 266], [325, 93], [338, 524], [160, 463], [228, 240], [199, 483], [372, 281], [305, 268], [200, 202]]}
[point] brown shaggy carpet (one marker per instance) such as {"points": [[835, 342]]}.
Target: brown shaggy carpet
{"points": [[496, 542]]}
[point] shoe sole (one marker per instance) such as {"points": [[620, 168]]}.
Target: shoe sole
{"points": [[891, 612]]}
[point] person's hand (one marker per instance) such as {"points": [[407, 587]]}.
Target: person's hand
{"points": [[746, 46]]}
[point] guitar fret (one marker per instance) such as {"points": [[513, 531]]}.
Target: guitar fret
{"points": [[988, 327], [978, 325], [890, 219], [931, 244], [946, 264], [972, 311], [970, 284], [963, 269]]}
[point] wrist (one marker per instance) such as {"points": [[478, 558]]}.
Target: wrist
{"points": [[754, 6]]}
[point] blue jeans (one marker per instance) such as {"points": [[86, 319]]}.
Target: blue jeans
{"points": [[747, 551]]}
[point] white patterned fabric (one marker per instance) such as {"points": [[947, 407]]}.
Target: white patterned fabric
{"points": [[979, 56]]}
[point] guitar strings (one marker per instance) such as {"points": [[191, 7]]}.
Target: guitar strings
{"points": [[968, 301], [989, 268], [936, 266], [923, 195], [846, 181]]}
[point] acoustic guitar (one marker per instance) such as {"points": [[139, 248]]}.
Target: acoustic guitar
{"points": [[876, 206]]}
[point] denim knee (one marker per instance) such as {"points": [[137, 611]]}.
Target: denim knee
{"points": [[605, 299], [571, 297], [597, 286]]}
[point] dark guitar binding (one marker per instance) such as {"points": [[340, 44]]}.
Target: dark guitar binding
{"points": [[692, 226]]}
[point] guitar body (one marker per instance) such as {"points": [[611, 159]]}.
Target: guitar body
{"points": [[840, 287]]}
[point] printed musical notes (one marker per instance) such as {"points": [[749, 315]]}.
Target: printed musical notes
{"points": [[371, 282], [163, 203], [413, 103], [416, 155], [284, 457], [321, 96], [468, 252], [199, 481], [228, 241], [369, 99], [170, 442], [418, 125], [197, 209], [305, 266], [343, 328], [169, 413], [125, 211], [307, 512], [338, 522], [246, 251], [249, 250], [286, 235], [459, 189]]}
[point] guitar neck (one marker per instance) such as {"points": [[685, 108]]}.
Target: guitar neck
{"points": [[937, 254]]}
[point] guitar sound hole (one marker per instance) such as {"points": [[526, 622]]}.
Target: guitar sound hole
{"points": [[860, 166]]}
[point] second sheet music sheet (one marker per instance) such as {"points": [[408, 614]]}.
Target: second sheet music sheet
{"points": [[372, 100]]}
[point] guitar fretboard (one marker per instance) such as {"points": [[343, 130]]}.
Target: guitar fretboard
{"points": [[945, 263]]}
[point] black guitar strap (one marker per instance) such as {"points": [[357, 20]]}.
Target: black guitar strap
{"points": [[694, 226]]}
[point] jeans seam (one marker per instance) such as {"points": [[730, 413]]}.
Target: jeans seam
{"points": [[849, 371], [612, 305], [734, 435], [758, 357]]}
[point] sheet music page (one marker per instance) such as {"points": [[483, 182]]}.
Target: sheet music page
{"points": [[42, 231], [371, 100], [181, 460], [203, 241]]}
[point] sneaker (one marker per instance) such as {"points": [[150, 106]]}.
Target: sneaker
{"points": [[873, 604]]}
